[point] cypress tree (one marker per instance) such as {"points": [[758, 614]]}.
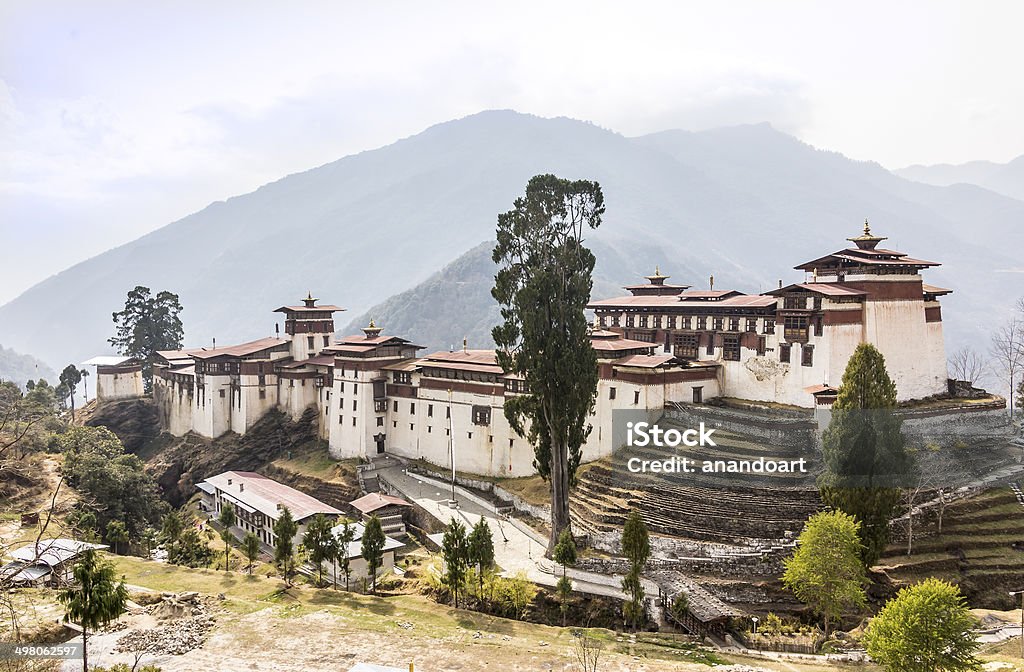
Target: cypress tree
{"points": [[866, 461]]}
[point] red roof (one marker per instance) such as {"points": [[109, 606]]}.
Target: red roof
{"points": [[932, 289], [241, 349], [825, 288], [868, 258], [374, 501], [308, 309]]}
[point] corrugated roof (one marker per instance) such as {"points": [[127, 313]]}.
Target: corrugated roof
{"points": [[241, 349], [619, 344], [823, 288], [52, 552], [644, 361], [375, 500], [264, 494]]}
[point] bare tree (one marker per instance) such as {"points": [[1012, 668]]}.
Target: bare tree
{"points": [[968, 365], [587, 650], [1007, 351], [936, 474]]}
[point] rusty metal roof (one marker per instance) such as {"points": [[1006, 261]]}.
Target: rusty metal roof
{"points": [[241, 349]]}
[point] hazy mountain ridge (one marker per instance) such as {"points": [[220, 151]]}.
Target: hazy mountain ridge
{"points": [[1003, 178], [20, 368], [370, 231]]}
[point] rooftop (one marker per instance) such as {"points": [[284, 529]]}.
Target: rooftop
{"points": [[374, 501], [240, 350], [264, 494]]}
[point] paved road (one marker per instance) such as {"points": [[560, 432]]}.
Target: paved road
{"points": [[514, 550]]}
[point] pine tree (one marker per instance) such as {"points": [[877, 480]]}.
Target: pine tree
{"points": [[345, 538], [636, 546], [564, 555], [373, 549], [227, 519], [148, 323], [825, 571], [251, 549], [543, 285], [926, 627], [117, 534], [318, 542], [285, 530], [453, 550], [866, 461], [480, 551], [95, 598]]}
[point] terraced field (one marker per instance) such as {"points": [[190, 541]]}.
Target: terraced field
{"points": [[981, 548], [737, 509]]}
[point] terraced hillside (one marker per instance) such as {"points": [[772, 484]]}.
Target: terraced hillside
{"points": [[981, 548], [744, 510]]}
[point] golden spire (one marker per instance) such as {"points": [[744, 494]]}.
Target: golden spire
{"points": [[372, 325], [465, 344], [867, 227], [657, 269]]}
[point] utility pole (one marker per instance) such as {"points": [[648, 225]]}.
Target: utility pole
{"points": [[453, 503], [1015, 593]]}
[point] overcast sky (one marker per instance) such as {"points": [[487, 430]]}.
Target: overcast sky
{"points": [[119, 117]]}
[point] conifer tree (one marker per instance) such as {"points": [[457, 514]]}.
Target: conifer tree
{"points": [[564, 555], [285, 530], [543, 286], [318, 543], [251, 549], [373, 549], [345, 537], [95, 598], [480, 551], [636, 546], [453, 550], [146, 324], [227, 519], [866, 461]]}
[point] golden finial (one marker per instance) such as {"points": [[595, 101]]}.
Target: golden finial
{"points": [[309, 294], [465, 344], [657, 269], [711, 282], [372, 325], [867, 227]]}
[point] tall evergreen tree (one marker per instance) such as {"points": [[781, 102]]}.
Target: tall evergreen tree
{"points": [[346, 537], [453, 551], [227, 519], [825, 571], [866, 461], [95, 598], [564, 555], [480, 551], [251, 549], [318, 542], [373, 549], [146, 324], [70, 377], [285, 530], [117, 534], [636, 546], [543, 285]]}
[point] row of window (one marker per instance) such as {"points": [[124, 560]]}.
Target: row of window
{"points": [[695, 322]]}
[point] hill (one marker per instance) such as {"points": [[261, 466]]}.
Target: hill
{"points": [[21, 368], [744, 203], [1003, 178]]}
